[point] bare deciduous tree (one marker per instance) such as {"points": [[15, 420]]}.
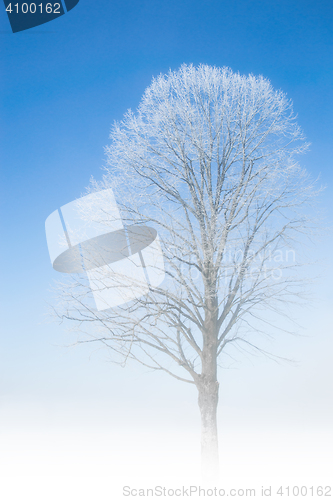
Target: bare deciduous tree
{"points": [[208, 160]]}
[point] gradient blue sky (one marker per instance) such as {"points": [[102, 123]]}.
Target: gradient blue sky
{"points": [[62, 86]]}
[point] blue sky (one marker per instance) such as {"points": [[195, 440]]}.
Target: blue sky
{"points": [[62, 86]]}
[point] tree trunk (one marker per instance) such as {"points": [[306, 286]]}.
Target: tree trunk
{"points": [[208, 399], [208, 388]]}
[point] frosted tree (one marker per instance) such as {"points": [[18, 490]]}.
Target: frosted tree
{"points": [[209, 161]]}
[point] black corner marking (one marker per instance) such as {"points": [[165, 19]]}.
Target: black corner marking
{"points": [[24, 15], [70, 4]]}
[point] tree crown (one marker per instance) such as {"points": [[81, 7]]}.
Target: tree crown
{"points": [[208, 160]]}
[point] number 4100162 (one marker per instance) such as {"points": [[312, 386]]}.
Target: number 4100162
{"points": [[32, 8]]}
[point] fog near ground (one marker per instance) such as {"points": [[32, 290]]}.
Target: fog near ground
{"points": [[99, 427]]}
